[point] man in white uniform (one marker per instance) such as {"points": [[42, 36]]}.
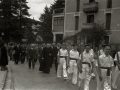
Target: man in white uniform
{"points": [[73, 58], [86, 65], [117, 69], [104, 72], [62, 62]]}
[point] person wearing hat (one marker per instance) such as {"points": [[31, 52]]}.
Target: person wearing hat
{"points": [[72, 69], [62, 62], [85, 66]]}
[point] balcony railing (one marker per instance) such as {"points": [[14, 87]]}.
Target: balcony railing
{"points": [[58, 11], [90, 7]]}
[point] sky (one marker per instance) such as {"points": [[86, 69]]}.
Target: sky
{"points": [[37, 7]]}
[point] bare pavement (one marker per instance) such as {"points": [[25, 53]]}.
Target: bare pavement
{"points": [[20, 77]]}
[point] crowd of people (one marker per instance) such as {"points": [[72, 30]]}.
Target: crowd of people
{"points": [[77, 62]]}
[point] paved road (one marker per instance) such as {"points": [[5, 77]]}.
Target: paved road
{"points": [[25, 78]]}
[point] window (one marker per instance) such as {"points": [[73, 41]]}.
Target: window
{"points": [[90, 18], [76, 22], [91, 1], [59, 21], [77, 5], [109, 3], [108, 21]]}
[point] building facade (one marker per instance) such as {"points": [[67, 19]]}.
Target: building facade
{"points": [[79, 14]]}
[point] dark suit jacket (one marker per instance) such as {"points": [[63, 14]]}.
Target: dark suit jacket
{"points": [[55, 52], [17, 51], [31, 53], [47, 54]]}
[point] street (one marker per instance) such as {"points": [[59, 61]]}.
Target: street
{"points": [[25, 78]]}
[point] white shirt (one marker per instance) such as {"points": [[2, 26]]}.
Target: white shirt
{"points": [[87, 57], [74, 54], [63, 52], [106, 61]]}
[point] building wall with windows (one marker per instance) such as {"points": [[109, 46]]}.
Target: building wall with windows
{"points": [[93, 11], [83, 13]]}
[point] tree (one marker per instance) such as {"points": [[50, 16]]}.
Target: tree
{"points": [[95, 34], [57, 4], [11, 13], [46, 25], [46, 20]]}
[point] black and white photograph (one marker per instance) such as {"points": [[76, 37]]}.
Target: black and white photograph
{"points": [[59, 44]]}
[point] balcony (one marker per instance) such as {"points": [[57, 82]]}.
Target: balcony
{"points": [[59, 11], [87, 25], [90, 7]]}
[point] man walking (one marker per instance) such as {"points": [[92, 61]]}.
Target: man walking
{"points": [[47, 56], [104, 72], [62, 62], [86, 66], [31, 55], [17, 53], [73, 58]]}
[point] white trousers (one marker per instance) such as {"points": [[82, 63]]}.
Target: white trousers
{"points": [[115, 75], [105, 84], [72, 70], [62, 68], [85, 75]]}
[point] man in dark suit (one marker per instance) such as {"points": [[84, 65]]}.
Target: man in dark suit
{"points": [[55, 52], [52, 57], [40, 57], [17, 53], [47, 55], [23, 53], [31, 56]]}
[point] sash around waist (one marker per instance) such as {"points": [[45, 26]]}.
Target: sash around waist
{"points": [[105, 67], [63, 56], [108, 70], [73, 59], [86, 63]]}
